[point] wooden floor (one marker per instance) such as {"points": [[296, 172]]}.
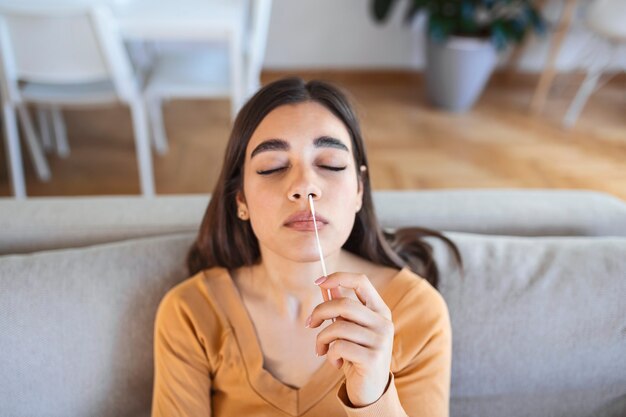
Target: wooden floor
{"points": [[411, 145]]}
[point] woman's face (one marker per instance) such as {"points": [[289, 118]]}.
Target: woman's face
{"points": [[295, 151]]}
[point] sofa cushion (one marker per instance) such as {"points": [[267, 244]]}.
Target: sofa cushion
{"points": [[539, 325], [76, 327]]}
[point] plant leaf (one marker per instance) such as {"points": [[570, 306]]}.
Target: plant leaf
{"points": [[498, 35], [414, 9], [381, 9]]}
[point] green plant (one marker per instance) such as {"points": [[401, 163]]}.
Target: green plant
{"points": [[503, 21]]}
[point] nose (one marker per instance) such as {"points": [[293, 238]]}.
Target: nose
{"points": [[303, 186]]}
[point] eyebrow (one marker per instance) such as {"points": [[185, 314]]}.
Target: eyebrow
{"points": [[283, 145]]}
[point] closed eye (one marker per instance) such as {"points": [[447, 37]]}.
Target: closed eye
{"points": [[332, 168], [271, 171]]}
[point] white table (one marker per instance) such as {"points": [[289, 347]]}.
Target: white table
{"points": [[181, 19], [190, 20]]}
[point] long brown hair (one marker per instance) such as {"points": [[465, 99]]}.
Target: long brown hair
{"points": [[224, 240]]}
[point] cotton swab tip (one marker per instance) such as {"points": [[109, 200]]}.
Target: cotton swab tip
{"points": [[311, 204]]}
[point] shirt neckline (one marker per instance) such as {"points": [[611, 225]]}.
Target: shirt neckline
{"points": [[294, 401]]}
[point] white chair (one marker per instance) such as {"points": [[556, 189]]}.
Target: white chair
{"points": [[52, 130], [32, 141], [607, 20], [205, 71], [66, 56]]}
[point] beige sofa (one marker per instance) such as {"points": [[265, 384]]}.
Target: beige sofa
{"points": [[539, 318]]}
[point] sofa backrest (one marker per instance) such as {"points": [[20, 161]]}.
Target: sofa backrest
{"points": [[54, 223]]}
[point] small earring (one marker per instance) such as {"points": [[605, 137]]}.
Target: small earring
{"points": [[242, 215]]}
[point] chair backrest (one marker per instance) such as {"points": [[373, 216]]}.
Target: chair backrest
{"points": [[62, 45], [608, 17], [257, 28]]}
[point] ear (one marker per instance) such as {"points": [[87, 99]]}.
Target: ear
{"points": [[240, 198], [359, 194]]}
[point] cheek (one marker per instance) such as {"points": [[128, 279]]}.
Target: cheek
{"points": [[344, 200], [258, 187], [257, 191], [344, 191], [345, 227], [263, 205], [262, 208]]}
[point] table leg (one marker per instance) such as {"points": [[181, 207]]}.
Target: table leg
{"points": [[512, 64], [548, 73]]}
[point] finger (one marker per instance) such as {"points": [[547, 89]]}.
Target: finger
{"points": [[345, 330], [334, 292], [329, 294], [325, 294], [363, 288], [345, 308], [343, 350]]}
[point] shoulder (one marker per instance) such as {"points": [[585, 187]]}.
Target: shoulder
{"points": [[415, 296], [420, 316], [191, 306], [191, 291]]}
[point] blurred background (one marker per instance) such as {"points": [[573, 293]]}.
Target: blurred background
{"points": [[139, 96]]}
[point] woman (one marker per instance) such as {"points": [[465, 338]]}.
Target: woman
{"points": [[250, 333]]}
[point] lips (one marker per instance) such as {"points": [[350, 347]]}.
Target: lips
{"points": [[303, 217]]}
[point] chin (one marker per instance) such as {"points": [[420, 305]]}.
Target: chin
{"points": [[307, 261], [302, 253]]}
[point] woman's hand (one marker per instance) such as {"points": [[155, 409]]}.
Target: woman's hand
{"points": [[360, 340]]}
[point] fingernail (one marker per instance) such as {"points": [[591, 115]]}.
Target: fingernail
{"points": [[316, 354], [308, 322], [320, 280]]}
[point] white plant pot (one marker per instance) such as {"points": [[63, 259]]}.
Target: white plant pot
{"points": [[457, 71]]}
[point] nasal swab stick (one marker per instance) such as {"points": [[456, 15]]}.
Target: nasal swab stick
{"points": [[319, 249]]}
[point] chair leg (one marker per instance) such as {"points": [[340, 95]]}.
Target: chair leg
{"points": [[142, 147], [44, 128], [548, 73], [236, 76], [32, 141], [157, 125], [14, 155], [60, 133], [591, 80]]}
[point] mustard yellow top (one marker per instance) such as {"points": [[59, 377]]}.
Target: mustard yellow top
{"points": [[208, 360]]}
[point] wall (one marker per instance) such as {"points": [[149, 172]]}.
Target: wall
{"points": [[341, 34]]}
